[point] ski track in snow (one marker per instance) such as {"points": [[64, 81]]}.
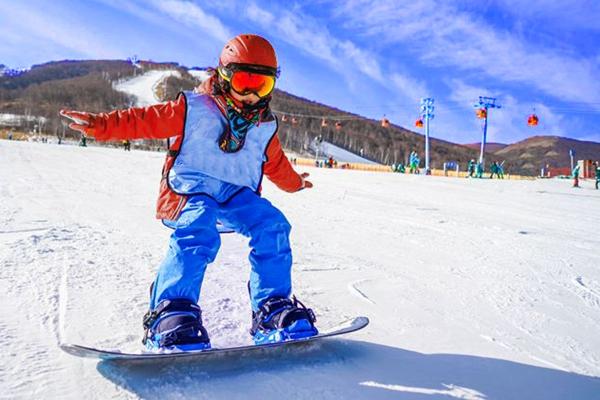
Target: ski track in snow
{"points": [[353, 287], [501, 300], [456, 392]]}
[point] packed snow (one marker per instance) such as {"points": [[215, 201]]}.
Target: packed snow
{"points": [[325, 149], [143, 87], [476, 289]]}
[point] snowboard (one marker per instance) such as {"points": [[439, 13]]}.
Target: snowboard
{"points": [[349, 326]]}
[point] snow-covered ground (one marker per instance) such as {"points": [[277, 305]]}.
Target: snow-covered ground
{"points": [[476, 289], [326, 149], [143, 86], [200, 74], [16, 119]]}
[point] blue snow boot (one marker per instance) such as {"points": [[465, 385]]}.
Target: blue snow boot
{"points": [[175, 325], [281, 319]]}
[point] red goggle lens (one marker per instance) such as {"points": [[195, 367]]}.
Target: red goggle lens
{"points": [[244, 82]]}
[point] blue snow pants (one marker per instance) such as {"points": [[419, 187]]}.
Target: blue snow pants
{"points": [[195, 242]]}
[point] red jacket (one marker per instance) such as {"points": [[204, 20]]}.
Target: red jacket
{"points": [[167, 120]]}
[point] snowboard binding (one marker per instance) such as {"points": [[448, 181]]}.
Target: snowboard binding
{"points": [[175, 325], [282, 319]]}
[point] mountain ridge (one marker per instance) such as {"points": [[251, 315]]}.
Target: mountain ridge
{"points": [[89, 85]]}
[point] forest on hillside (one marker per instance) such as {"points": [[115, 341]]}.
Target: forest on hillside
{"points": [[39, 93]]}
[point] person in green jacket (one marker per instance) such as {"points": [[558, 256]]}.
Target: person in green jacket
{"points": [[494, 170], [471, 168], [576, 176], [479, 168], [597, 174], [500, 170]]}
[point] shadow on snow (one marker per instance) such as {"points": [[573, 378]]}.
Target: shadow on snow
{"points": [[340, 369]]}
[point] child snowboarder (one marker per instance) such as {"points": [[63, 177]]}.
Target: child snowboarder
{"points": [[221, 138]]}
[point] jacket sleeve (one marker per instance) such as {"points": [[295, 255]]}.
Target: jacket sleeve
{"points": [[279, 170], [159, 121]]}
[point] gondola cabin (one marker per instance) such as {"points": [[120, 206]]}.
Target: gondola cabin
{"points": [[533, 120]]}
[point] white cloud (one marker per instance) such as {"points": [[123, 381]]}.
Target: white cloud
{"points": [[411, 88], [309, 35], [570, 15], [259, 14], [440, 36], [192, 15], [34, 25], [509, 123]]}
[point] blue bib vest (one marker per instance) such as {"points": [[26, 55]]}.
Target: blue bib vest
{"points": [[201, 167]]}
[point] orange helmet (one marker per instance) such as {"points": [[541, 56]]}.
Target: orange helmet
{"points": [[250, 50]]}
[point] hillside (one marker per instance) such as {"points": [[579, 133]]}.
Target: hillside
{"points": [[384, 145], [40, 92], [37, 95], [531, 154], [89, 85], [490, 147]]}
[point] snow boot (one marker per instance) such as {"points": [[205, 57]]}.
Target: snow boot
{"points": [[281, 319], [175, 325]]}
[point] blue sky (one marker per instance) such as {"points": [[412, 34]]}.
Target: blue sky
{"points": [[368, 57]]}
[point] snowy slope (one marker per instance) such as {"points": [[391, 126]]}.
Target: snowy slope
{"points": [[142, 87], [475, 289], [326, 149]]}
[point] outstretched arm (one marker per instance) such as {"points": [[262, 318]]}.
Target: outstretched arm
{"points": [[279, 170], [159, 121]]}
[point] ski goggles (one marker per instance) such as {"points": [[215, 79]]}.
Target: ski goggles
{"points": [[246, 79]]}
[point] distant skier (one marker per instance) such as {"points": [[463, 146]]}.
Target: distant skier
{"points": [[414, 162], [597, 174], [500, 169], [576, 176], [126, 145], [479, 170], [494, 170], [471, 168], [330, 162], [83, 141], [223, 138], [399, 168]]}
